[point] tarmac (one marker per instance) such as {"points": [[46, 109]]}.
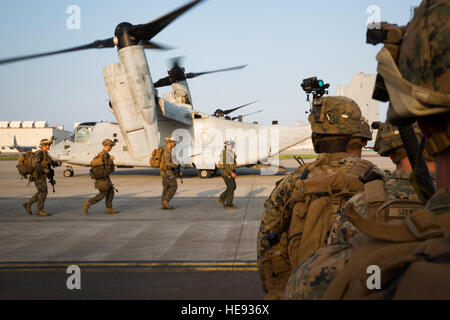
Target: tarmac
{"points": [[200, 250]]}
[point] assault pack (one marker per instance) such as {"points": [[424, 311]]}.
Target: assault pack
{"points": [[155, 159], [100, 169], [294, 235], [25, 164]]}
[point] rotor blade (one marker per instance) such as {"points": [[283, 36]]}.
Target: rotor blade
{"points": [[155, 45], [191, 75], [234, 109], [149, 30], [248, 114], [162, 82], [99, 44]]}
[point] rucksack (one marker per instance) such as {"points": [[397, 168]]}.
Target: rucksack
{"points": [[317, 201], [276, 236], [99, 169], [155, 160], [413, 257], [25, 164]]}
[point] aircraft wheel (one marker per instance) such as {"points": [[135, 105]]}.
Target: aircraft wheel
{"points": [[68, 173], [204, 174]]}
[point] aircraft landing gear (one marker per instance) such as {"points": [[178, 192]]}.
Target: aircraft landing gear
{"points": [[68, 172], [205, 174]]}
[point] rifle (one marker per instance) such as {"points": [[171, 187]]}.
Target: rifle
{"points": [[51, 177], [178, 173]]}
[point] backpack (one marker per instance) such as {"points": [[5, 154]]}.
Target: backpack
{"points": [[99, 169], [155, 160], [25, 164], [413, 257], [274, 256], [317, 201]]}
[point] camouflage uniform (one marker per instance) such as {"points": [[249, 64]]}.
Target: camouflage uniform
{"points": [[104, 186], [41, 161], [397, 187], [413, 253], [279, 264], [332, 119], [229, 164], [169, 180], [312, 277]]}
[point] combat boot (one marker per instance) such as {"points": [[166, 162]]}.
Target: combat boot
{"points": [[111, 211], [27, 206], [166, 205], [86, 206], [43, 214], [232, 206]]}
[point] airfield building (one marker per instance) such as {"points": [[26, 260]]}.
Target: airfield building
{"points": [[27, 134]]}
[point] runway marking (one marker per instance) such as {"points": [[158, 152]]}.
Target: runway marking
{"points": [[133, 266]]}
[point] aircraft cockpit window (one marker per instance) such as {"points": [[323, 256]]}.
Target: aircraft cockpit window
{"points": [[83, 134]]}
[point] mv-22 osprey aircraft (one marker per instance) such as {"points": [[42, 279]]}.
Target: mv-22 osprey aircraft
{"points": [[144, 119]]}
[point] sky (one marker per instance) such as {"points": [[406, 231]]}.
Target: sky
{"points": [[282, 42]]}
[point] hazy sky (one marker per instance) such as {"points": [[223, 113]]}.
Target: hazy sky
{"points": [[282, 42]]}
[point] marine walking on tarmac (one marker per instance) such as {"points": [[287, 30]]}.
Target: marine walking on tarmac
{"points": [[227, 164], [102, 165], [39, 170], [168, 174]]}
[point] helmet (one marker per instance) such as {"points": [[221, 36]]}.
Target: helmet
{"points": [[336, 115], [419, 85], [170, 139], [366, 132], [108, 142], [363, 135], [390, 142], [45, 142], [229, 143]]}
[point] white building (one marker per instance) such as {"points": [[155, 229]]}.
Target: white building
{"points": [[27, 134], [360, 90]]}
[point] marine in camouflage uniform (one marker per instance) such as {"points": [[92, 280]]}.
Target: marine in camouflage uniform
{"points": [[335, 120], [228, 161], [312, 278], [169, 180], [397, 186], [104, 185], [41, 164], [412, 253]]}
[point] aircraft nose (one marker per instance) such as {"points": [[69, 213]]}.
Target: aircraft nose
{"points": [[57, 153], [52, 152]]}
